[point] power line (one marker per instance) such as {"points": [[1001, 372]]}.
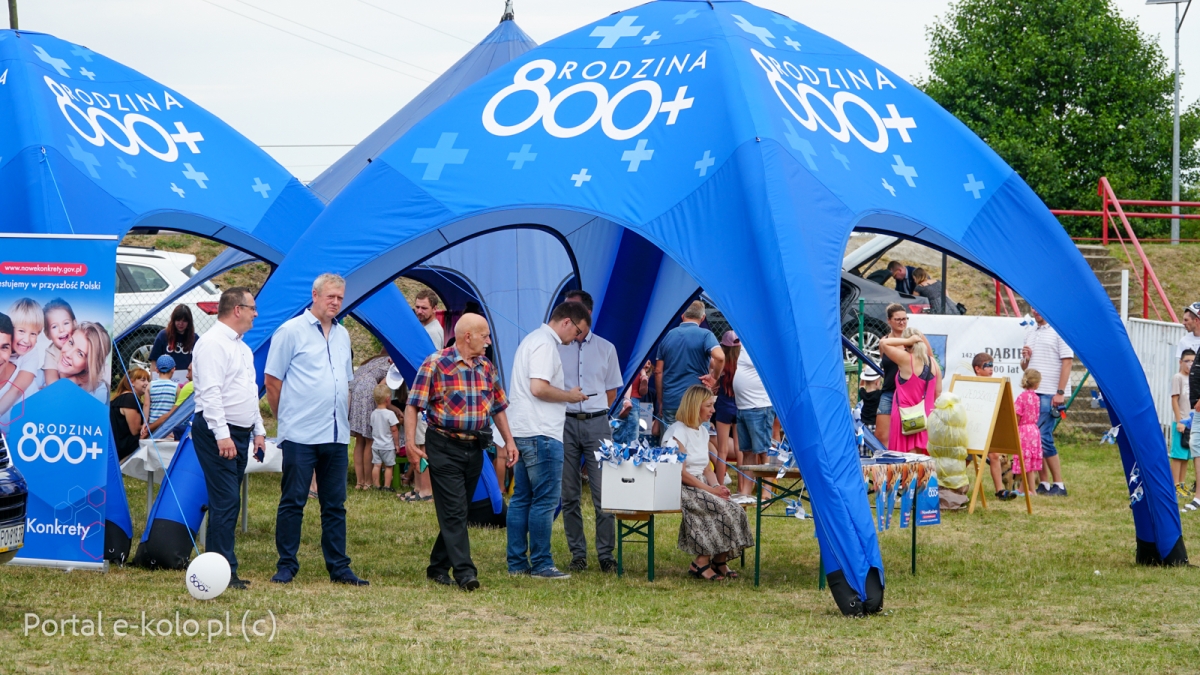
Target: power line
{"points": [[319, 44], [329, 35], [401, 16]]}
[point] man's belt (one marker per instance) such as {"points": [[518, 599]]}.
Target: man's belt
{"points": [[586, 415], [473, 434]]}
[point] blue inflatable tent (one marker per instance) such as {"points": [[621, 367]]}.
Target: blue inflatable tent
{"points": [[744, 147]]}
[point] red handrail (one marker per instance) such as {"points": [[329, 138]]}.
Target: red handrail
{"points": [[1108, 197]]}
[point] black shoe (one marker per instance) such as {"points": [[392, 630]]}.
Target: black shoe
{"points": [[578, 565], [350, 579], [469, 584], [608, 566], [1042, 490], [283, 576], [239, 584], [441, 578]]}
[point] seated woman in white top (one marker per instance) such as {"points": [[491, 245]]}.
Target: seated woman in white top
{"points": [[714, 528]]}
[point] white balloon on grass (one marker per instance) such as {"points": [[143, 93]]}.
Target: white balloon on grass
{"points": [[207, 576]]}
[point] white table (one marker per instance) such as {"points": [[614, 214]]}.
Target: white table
{"points": [[150, 461]]}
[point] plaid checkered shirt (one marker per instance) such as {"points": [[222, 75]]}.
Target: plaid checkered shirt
{"points": [[455, 394]]}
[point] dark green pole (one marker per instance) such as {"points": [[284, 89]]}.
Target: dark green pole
{"points": [[861, 320], [914, 525], [12, 14]]}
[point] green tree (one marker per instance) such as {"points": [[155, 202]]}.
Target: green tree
{"points": [[1065, 91]]}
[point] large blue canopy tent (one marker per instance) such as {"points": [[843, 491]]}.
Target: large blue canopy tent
{"points": [[745, 147]]}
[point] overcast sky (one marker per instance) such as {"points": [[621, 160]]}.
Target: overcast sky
{"points": [[231, 57]]}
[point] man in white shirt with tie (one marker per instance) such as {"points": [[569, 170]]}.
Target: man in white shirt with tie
{"points": [[226, 417], [590, 363]]}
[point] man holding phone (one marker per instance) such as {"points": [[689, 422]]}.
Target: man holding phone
{"points": [[590, 363], [227, 415]]}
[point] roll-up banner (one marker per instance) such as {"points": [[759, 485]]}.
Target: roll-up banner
{"points": [[56, 314]]}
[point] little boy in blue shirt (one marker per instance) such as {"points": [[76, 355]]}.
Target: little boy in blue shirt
{"points": [[163, 390]]}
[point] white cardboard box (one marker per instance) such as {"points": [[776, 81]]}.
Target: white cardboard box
{"points": [[636, 488]]}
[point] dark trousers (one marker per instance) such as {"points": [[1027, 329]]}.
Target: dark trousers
{"points": [[330, 462], [222, 478], [454, 467]]}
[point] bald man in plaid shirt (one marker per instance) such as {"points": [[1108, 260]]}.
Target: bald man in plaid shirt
{"points": [[460, 392]]}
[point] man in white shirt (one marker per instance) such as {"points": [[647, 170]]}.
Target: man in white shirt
{"points": [[308, 377], [1190, 339], [589, 363], [1047, 353], [226, 395], [755, 418], [536, 415], [425, 307]]}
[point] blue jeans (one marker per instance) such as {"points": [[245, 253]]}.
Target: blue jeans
{"points": [[330, 462], [536, 491], [1046, 425], [754, 429], [627, 430]]}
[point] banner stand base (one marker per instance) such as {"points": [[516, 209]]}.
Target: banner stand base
{"points": [[60, 564]]}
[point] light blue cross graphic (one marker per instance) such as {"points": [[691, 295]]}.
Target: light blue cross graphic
{"points": [[581, 177], [83, 52], [900, 124], [188, 138], [83, 157], [907, 172], [58, 64], [757, 31], [198, 176], [127, 168], [840, 157], [888, 187], [800, 144], [787, 39], [519, 158], [972, 185], [690, 14], [261, 187], [647, 39], [705, 162], [636, 156], [785, 22], [622, 28], [437, 157], [177, 190], [87, 73]]}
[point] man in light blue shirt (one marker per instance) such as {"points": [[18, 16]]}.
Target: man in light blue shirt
{"points": [[308, 388]]}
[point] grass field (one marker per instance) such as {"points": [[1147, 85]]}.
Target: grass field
{"points": [[1055, 592]]}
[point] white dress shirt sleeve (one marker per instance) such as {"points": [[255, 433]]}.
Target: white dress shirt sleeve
{"points": [[612, 371]]}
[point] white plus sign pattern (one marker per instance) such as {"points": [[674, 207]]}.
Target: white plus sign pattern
{"points": [[672, 108], [907, 172], [83, 157], [622, 28], [437, 157], [636, 156], [900, 124], [887, 186], [757, 31], [519, 158], [690, 14], [787, 39], [785, 22], [647, 39], [83, 53], [705, 162], [581, 177], [87, 73], [973, 186], [837, 154], [188, 138], [56, 63], [127, 168], [177, 190], [198, 176], [261, 188]]}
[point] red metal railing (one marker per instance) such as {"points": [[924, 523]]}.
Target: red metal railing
{"points": [[1109, 205], [1003, 306]]}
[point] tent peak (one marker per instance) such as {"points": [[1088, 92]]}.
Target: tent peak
{"points": [[508, 12]]}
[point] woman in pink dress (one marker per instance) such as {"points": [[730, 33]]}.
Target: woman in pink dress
{"points": [[1027, 407], [918, 380]]}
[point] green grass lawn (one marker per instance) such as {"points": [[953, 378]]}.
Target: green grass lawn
{"points": [[1054, 592]]}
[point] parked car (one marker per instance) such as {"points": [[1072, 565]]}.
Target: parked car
{"points": [[13, 496], [876, 297], [145, 277]]}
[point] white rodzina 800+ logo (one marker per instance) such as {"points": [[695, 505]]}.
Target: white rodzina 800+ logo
{"points": [[97, 125], [46, 442]]}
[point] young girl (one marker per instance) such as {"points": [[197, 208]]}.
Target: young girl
{"points": [[60, 323], [26, 315], [1027, 408], [1179, 406], [84, 358]]}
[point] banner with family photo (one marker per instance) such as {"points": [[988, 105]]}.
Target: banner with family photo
{"points": [[56, 314]]}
